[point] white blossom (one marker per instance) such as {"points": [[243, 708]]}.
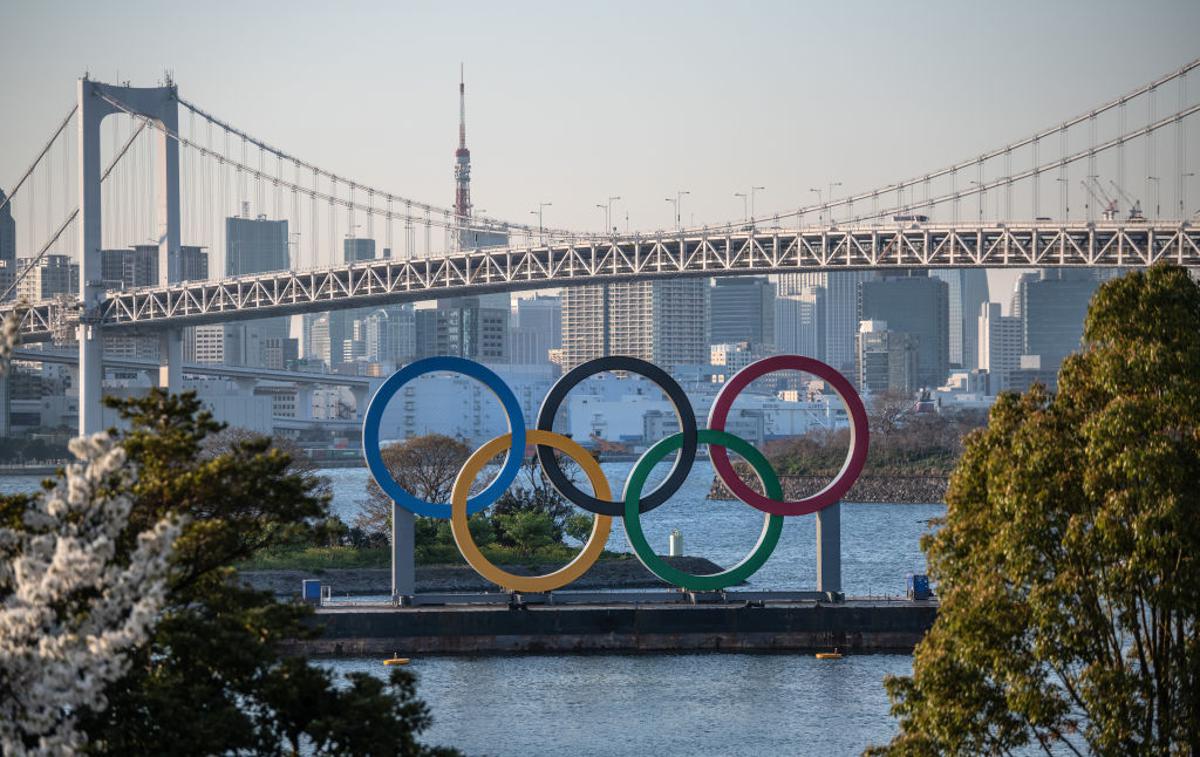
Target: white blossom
{"points": [[71, 608], [9, 337]]}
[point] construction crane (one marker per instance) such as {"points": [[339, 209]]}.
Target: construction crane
{"points": [[1135, 206], [1107, 205]]}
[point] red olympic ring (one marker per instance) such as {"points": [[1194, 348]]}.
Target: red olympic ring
{"points": [[856, 456]]}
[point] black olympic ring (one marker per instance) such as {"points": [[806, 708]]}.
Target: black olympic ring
{"points": [[683, 411]]}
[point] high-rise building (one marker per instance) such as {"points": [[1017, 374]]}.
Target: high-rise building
{"points": [[193, 266], [1053, 306], [968, 291], [885, 360], [742, 309], [664, 322], [841, 310], [1001, 341], [355, 249], [915, 304], [538, 329], [472, 327], [800, 323], [48, 276], [8, 248], [252, 245], [390, 334]]}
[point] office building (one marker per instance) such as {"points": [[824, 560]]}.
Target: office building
{"points": [[472, 327], [664, 322], [1001, 340], [537, 330], [8, 248], [885, 360], [968, 292], [390, 335], [800, 323], [742, 309], [46, 277], [841, 310], [912, 303], [1053, 306], [252, 245]]}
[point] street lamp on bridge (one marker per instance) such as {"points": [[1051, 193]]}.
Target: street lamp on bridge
{"points": [[829, 197], [677, 201], [607, 207], [541, 230]]}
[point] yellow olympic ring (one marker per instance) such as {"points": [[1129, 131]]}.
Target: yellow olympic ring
{"points": [[601, 524]]}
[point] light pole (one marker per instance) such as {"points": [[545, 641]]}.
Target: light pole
{"points": [[608, 227], [678, 203], [982, 199], [541, 230], [1156, 195], [745, 205], [829, 196], [821, 210], [1064, 199], [1183, 195], [753, 191]]}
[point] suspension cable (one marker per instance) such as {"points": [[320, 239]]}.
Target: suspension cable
{"points": [[29, 171]]}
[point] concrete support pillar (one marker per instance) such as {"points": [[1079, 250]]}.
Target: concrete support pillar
{"points": [[170, 360], [361, 395], [304, 401], [95, 102], [829, 549], [92, 111], [404, 553]]}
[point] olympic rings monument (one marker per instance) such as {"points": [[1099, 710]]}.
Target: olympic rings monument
{"points": [[633, 501], [699, 615]]}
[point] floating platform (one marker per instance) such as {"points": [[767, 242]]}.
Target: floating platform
{"points": [[726, 623]]}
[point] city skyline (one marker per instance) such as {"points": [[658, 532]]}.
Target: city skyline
{"points": [[524, 162]]}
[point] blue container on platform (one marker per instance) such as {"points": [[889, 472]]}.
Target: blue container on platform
{"points": [[311, 591], [918, 586]]}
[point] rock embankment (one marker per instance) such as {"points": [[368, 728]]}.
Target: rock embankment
{"points": [[606, 574], [916, 490]]}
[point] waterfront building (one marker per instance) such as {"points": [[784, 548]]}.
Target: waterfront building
{"points": [[728, 359], [1053, 306], [841, 310], [800, 327], [967, 293], [664, 322], [1001, 341], [8, 248], [742, 309], [912, 303], [471, 327], [252, 245], [46, 277], [887, 360], [537, 330]]}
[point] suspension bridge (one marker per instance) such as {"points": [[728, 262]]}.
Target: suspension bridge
{"points": [[131, 166]]}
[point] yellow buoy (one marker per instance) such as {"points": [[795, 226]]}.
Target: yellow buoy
{"points": [[396, 660], [834, 655]]}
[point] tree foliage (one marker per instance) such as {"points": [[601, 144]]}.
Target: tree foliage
{"points": [[72, 605], [1068, 563], [212, 678]]}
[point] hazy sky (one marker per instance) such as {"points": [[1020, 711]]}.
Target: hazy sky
{"points": [[571, 103]]}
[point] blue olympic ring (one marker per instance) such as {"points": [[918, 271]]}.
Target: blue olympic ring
{"points": [[370, 434]]}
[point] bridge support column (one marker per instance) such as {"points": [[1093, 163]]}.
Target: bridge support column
{"points": [[404, 553], [361, 395], [95, 102], [170, 360], [829, 549]]}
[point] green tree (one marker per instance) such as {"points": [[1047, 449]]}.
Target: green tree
{"points": [[213, 679], [527, 530], [1068, 563], [425, 466]]}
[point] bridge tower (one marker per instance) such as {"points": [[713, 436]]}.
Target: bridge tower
{"points": [[96, 102]]}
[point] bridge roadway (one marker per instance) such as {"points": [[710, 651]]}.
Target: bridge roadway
{"points": [[207, 369], [631, 258]]}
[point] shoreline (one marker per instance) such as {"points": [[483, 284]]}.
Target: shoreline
{"points": [[605, 574], [868, 489]]}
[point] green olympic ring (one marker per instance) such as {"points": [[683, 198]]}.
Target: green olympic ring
{"points": [[772, 524]]}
